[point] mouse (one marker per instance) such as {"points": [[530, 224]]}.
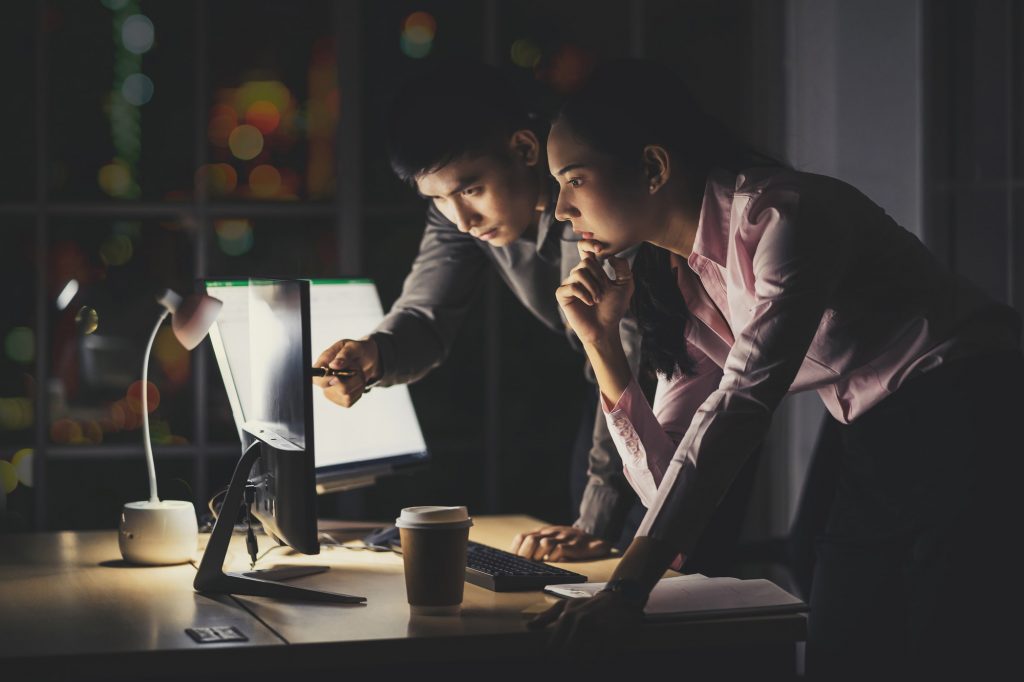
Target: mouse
{"points": [[386, 538]]}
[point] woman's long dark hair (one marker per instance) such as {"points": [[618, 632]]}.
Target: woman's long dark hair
{"points": [[623, 107]]}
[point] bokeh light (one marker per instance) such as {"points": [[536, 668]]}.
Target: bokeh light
{"points": [[20, 345], [263, 115], [116, 250], [115, 179], [274, 92], [87, 320], [22, 462], [8, 476], [264, 181], [418, 31], [525, 53], [133, 398], [223, 119], [137, 34], [67, 294], [91, 432], [172, 357], [219, 178], [246, 142], [66, 432], [569, 68], [15, 413], [137, 89], [234, 236]]}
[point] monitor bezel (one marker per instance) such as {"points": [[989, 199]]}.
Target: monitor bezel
{"points": [[325, 475]]}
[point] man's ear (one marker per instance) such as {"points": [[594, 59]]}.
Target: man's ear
{"points": [[657, 167], [524, 146]]}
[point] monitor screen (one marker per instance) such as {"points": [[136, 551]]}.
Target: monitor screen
{"points": [[281, 398], [380, 429]]}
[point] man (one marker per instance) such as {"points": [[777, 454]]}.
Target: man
{"points": [[463, 139]]}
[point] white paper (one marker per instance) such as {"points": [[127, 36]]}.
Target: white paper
{"points": [[690, 596]]}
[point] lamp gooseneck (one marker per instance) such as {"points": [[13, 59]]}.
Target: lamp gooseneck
{"points": [[153, 497]]}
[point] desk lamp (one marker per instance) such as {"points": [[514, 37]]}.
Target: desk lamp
{"points": [[152, 531]]}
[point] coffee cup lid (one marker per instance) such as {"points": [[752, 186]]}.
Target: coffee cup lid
{"points": [[432, 517]]}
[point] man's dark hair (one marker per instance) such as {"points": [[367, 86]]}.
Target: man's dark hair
{"points": [[449, 110]]}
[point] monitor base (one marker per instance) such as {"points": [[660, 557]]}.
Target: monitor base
{"points": [[211, 578]]}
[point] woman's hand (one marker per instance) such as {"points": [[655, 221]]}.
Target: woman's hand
{"points": [[594, 303], [591, 628], [560, 543]]}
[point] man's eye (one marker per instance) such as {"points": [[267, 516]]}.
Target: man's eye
{"points": [[471, 191]]}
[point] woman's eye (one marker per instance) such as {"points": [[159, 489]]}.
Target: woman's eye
{"points": [[575, 182]]}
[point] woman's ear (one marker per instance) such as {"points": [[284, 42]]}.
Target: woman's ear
{"points": [[657, 167], [525, 146]]}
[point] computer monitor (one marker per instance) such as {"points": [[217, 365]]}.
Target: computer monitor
{"points": [[380, 435], [275, 474]]}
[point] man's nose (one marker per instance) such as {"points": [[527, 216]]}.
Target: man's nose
{"points": [[465, 218]]}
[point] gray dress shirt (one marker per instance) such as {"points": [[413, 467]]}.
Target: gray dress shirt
{"points": [[418, 332]]}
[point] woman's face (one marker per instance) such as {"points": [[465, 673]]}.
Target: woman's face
{"points": [[602, 204]]}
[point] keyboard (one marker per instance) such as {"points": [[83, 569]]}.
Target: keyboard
{"points": [[491, 568], [502, 571]]}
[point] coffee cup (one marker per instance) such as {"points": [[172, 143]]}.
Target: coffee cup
{"points": [[434, 553]]}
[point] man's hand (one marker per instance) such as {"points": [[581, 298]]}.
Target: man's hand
{"points": [[560, 543], [361, 356]]}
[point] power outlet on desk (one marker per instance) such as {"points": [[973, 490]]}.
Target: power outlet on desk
{"points": [[217, 634]]}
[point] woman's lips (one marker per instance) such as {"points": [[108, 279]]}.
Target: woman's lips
{"points": [[587, 235]]}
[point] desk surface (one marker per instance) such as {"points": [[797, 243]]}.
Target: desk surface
{"points": [[67, 602]]}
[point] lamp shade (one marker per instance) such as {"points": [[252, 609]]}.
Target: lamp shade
{"points": [[191, 317]]}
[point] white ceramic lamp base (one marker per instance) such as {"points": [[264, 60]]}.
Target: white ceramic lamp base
{"points": [[158, 533]]}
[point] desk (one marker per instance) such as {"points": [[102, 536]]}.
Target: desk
{"points": [[69, 609]]}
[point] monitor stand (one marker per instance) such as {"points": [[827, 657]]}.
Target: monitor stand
{"points": [[211, 578]]}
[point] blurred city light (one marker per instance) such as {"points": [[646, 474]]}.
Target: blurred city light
{"points": [[8, 476], [67, 293], [219, 178], [137, 34], [264, 181], [246, 142], [264, 115], [20, 345], [137, 89], [234, 236], [22, 462], [418, 31], [87, 320], [223, 120], [133, 397], [116, 250], [525, 53], [115, 179]]}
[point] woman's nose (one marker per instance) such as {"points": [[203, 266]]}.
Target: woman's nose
{"points": [[564, 209]]}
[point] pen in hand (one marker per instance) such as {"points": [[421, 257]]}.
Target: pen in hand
{"points": [[321, 372]]}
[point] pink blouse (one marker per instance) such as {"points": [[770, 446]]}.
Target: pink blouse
{"points": [[795, 282]]}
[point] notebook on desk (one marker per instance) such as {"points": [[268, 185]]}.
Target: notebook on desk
{"points": [[697, 596]]}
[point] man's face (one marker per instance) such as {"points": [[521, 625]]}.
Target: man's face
{"points": [[492, 197]]}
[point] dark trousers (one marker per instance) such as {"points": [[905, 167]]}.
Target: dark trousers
{"points": [[715, 552], [914, 572]]}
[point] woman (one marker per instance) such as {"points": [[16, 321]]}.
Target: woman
{"points": [[757, 280]]}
